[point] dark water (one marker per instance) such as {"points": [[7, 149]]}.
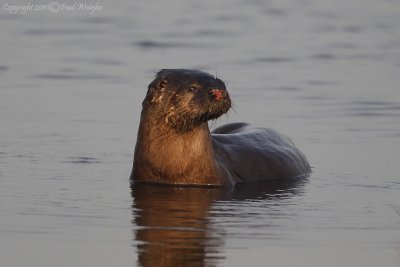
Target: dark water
{"points": [[326, 73]]}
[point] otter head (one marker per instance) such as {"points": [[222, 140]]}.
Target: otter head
{"points": [[184, 99]]}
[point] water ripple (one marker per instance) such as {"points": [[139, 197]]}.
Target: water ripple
{"points": [[275, 59], [3, 68], [371, 108], [62, 32], [52, 76], [147, 44], [83, 160]]}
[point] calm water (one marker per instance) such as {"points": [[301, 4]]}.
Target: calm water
{"points": [[326, 73]]}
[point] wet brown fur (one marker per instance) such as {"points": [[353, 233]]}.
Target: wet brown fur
{"points": [[175, 146]]}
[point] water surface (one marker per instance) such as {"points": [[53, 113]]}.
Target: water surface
{"points": [[326, 73]]}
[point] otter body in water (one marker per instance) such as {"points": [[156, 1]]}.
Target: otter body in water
{"points": [[174, 144]]}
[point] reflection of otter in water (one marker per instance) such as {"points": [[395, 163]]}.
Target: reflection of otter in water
{"points": [[174, 226], [175, 146]]}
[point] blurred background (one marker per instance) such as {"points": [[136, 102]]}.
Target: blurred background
{"points": [[72, 78]]}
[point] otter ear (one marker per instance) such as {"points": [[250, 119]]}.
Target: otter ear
{"points": [[155, 90]]}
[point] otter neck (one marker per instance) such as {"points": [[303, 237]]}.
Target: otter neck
{"points": [[166, 155]]}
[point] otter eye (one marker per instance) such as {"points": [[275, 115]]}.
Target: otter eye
{"points": [[193, 88]]}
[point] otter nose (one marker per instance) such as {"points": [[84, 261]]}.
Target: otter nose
{"points": [[218, 94]]}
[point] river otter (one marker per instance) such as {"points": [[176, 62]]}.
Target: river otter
{"points": [[174, 144]]}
